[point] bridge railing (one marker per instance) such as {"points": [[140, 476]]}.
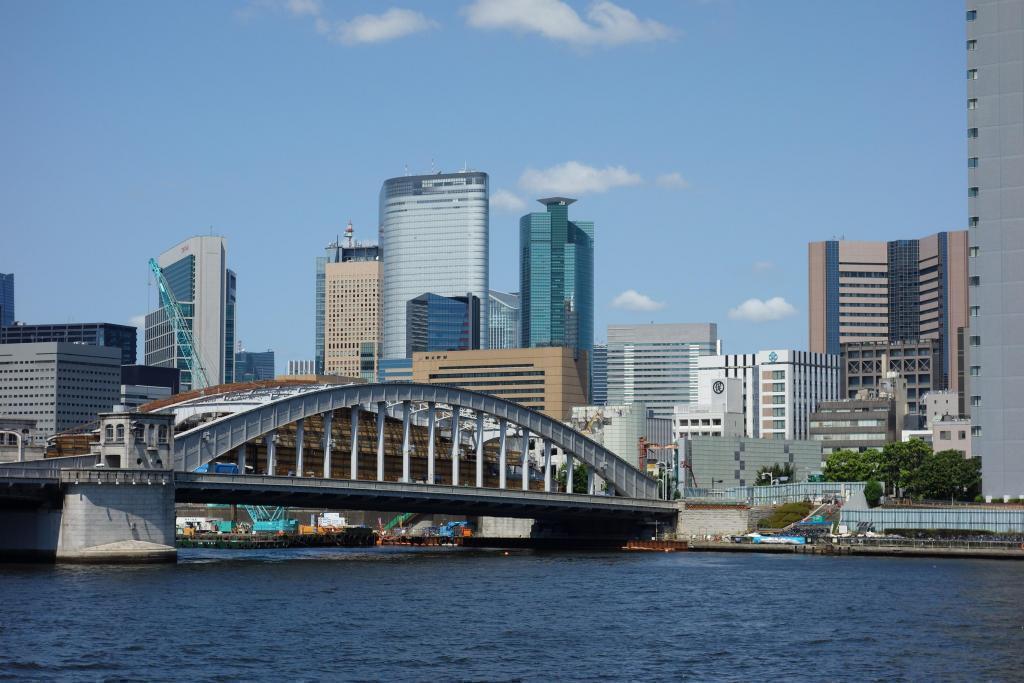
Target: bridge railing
{"points": [[34, 473], [116, 477]]}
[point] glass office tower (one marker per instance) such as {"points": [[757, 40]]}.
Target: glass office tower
{"points": [[205, 288], [556, 278], [503, 310], [442, 323], [433, 238]]}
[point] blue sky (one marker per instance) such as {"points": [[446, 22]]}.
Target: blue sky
{"points": [[709, 141]]}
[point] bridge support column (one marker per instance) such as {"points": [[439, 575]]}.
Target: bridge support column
{"points": [[300, 435], [271, 441], [525, 459], [431, 426], [353, 465], [502, 453], [547, 465], [479, 449], [117, 516], [240, 454], [456, 426], [382, 408], [406, 418], [328, 419], [568, 472], [591, 483]]}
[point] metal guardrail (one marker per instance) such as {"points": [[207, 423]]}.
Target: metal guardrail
{"points": [[930, 543], [34, 473]]}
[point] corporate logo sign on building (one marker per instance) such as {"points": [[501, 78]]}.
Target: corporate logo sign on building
{"points": [[773, 357]]}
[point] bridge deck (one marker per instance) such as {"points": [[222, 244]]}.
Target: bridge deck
{"points": [[388, 496]]}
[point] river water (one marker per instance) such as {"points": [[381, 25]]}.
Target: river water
{"points": [[453, 614]]}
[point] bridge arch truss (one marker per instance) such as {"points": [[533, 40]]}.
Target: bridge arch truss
{"points": [[227, 433]]}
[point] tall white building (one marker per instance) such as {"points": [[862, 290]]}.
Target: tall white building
{"points": [[657, 364], [781, 388], [197, 273], [434, 239], [503, 313]]}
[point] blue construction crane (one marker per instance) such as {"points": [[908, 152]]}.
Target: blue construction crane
{"points": [[182, 329]]}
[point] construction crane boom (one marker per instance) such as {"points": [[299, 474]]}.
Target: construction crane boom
{"points": [[182, 330]]}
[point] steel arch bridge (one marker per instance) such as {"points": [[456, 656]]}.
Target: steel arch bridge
{"points": [[235, 419]]}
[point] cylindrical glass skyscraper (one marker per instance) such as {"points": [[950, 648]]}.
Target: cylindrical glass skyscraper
{"points": [[434, 239]]}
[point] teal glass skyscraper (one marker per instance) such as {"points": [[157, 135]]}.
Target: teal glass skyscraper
{"points": [[556, 278]]}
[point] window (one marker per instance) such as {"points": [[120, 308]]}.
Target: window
{"points": [[961, 435], [975, 340], [974, 280], [972, 104], [972, 14], [974, 221], [109, 433], [120, 433], [972, 162], [972, 74], [972, 192], [972, 45], [975, 400], [944, 435], [975, 370], [976, 430], [972, 252], [972, 132], [975, 311]]}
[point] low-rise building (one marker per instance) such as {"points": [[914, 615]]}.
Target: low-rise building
{"points": [[722, 463], [857, 424], [952, 434], [548, 379], [719, 411]]}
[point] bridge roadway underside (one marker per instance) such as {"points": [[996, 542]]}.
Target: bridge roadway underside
{"points": [[422, 498]]}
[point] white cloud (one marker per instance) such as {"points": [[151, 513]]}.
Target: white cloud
{"points": [[606, 23], [758, 311], [365, 28], [762, 266], [375, 28], [672, 181], [138, 321], [574, 178], [504, 200], [303, 7], [632, 300]]}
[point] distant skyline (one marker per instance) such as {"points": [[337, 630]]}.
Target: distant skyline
{"points": [[709, 141]]}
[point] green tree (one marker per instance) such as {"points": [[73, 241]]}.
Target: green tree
{"points": [[846, 465], [946, 474], [900, 460], [777, 471], [872, 493], [579, 478]]}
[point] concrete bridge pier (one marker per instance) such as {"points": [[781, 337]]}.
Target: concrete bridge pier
{"points": [[117, 516]]}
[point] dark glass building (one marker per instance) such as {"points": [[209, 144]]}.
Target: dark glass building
{"points": [[123, 337], [556, 278], [442, 323], [251, 366], [6, 299]]}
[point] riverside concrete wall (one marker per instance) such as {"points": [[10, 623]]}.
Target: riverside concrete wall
{"points": [[108, 518], [701, 520], [503, 527]]}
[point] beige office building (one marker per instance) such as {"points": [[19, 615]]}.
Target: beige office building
{"points": [[352, 320], [546, 379], [899, 291]]}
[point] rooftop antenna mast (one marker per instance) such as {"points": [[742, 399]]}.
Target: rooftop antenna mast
{"points": [[348, 234]]}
